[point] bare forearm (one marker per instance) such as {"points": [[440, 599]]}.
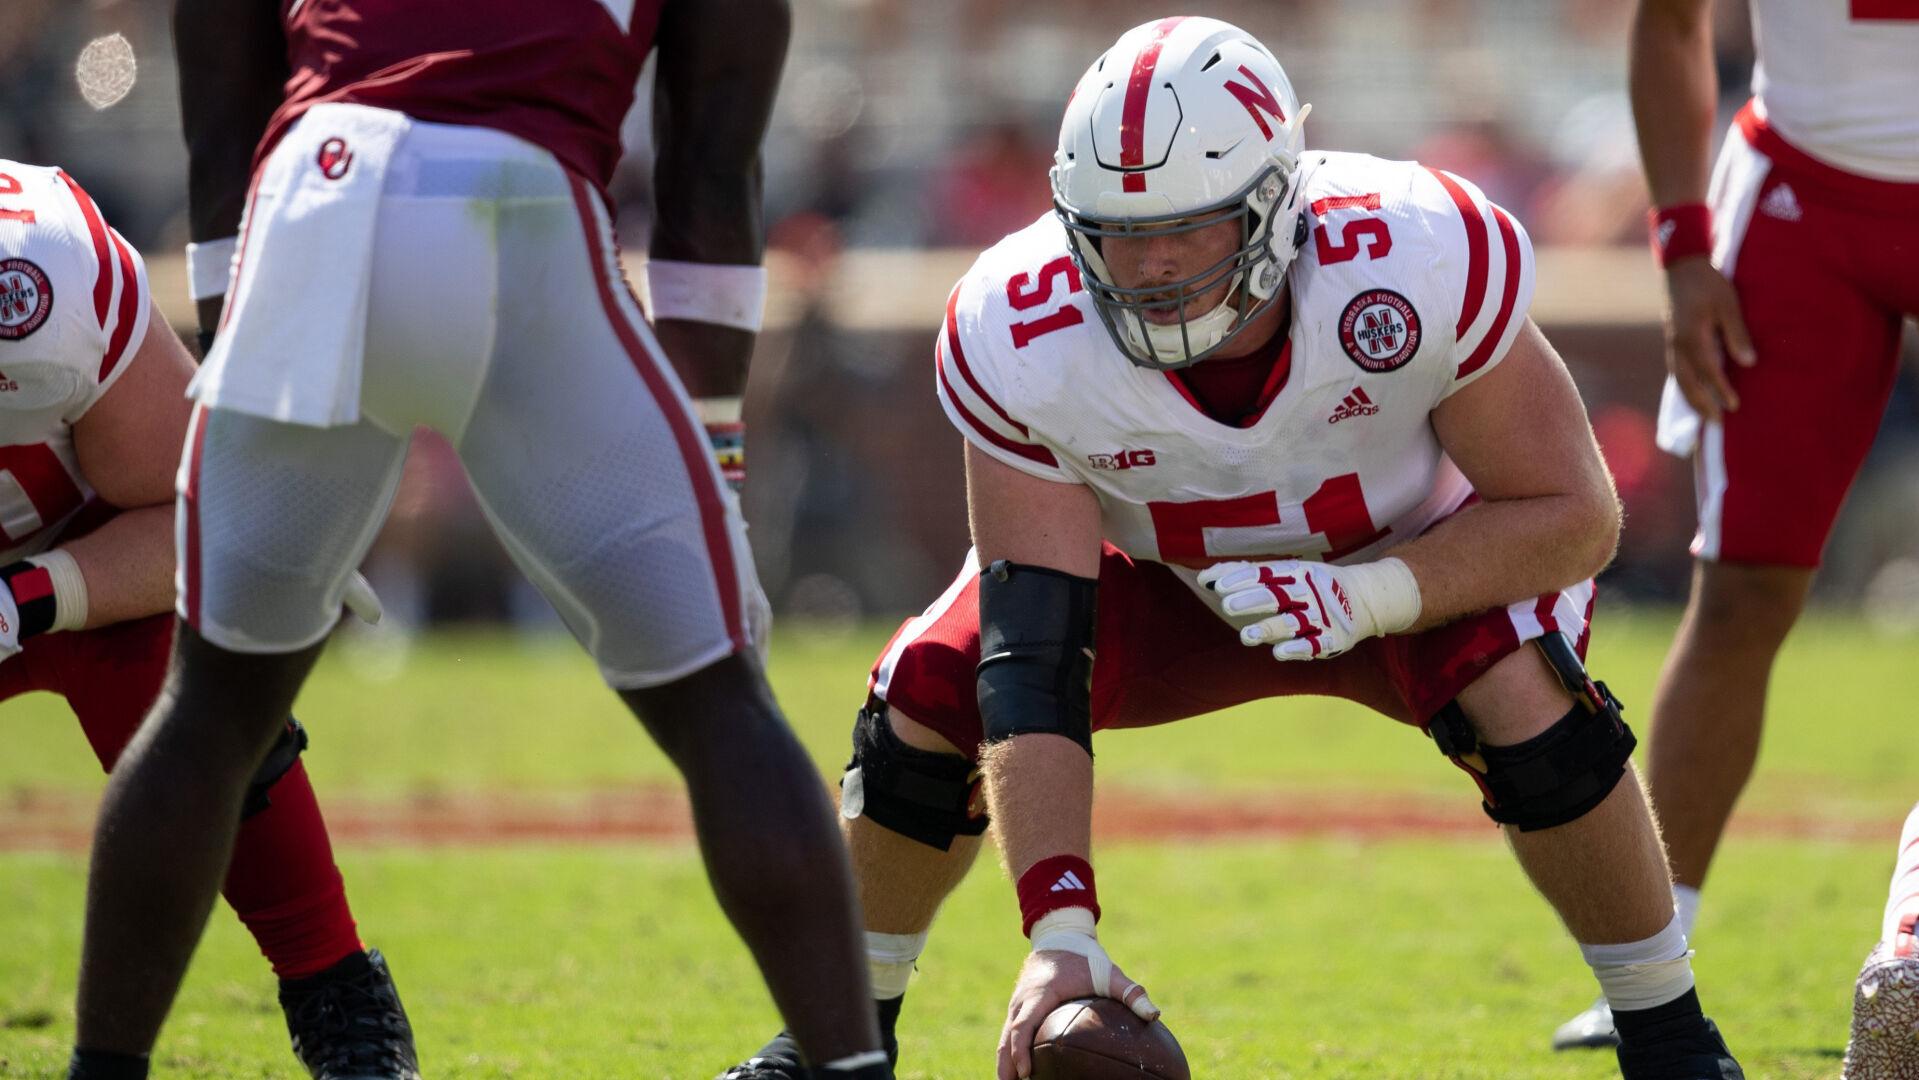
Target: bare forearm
{"points": [[231, 55], [1496, 553], [1674, 95], [128, 565], [1039, 792]]}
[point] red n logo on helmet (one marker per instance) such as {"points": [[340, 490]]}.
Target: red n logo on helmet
{"points": [[1257, 98]]}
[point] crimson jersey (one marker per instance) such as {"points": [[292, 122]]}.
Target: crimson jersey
{"points": [[73, 311], [1410, 286], [560, 73]]}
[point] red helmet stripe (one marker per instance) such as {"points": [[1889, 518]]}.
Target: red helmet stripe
{"points": [[1132, 118]]}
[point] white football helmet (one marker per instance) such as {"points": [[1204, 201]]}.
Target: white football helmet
{"points": [[1185, 122]]}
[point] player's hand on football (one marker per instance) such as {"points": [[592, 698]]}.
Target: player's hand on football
{"points": [[1315, 611], [1703, 326], [1067, 963]]}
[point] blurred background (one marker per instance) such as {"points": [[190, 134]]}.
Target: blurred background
{"points": [[910, 135]]}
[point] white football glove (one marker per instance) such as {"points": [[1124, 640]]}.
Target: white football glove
{"points": [[9, 624], [1318, 610]]}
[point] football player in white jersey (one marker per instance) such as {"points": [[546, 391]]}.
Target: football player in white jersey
{"points": [[1253, 421], [93, 411], [1799, 262]]}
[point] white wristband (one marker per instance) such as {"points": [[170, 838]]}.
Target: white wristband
{"points": [[209, 265], [703, 292], [719, 410], [1390, 590], [69, 589]]}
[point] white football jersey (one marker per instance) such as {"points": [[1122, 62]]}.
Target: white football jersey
{"points": [[73, 311], [1410, 286], [1839, 79]]}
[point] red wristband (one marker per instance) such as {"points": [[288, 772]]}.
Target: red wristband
{"points": [[1061, 881], [1680, 231]]}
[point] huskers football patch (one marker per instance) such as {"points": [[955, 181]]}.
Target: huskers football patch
{"points": [[26, 298], [1380, 330]]}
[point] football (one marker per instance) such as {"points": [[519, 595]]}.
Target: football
{"points": [[1101, 1039]]}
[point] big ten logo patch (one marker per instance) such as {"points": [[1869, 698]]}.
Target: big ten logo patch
{"points": [[1124, 459], [1379, 330], [26, 298]]}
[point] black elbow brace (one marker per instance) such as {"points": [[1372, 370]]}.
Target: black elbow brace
{"points": [[1036, 653]]}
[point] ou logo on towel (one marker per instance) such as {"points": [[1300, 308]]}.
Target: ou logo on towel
{"points": [[334, 158]]}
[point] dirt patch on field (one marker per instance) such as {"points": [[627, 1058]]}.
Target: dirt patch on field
{"points": [[63, 822]]}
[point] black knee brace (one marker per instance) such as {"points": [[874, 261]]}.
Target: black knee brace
{"points": [[286, 751], [922, 795], [1561, 773]]}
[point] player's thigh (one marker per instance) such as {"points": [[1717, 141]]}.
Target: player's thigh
{"points": [[1486, 662], [1161, 655], [1771, 476], [587, 459], [273, 519]]}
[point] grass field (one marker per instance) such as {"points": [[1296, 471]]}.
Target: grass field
{"points": [[1313, 956]]}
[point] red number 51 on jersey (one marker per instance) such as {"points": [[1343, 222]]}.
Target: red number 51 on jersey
{"points": [[1336, 513]]}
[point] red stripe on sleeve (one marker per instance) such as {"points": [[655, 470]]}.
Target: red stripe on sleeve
{"points": [[1026, 450], [1477, 251], [693, 447], [959, 360], [97, 228], [1368, 201], [1509, 238], [130, 300]]}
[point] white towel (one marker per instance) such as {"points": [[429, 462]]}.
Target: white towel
{"points": [[292, 345], [1678, 431]]}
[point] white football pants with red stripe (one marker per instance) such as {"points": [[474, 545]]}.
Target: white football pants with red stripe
{"points": [[494, 312]]}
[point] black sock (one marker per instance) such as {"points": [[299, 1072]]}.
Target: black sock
{"points": [[350, 966], [889, 1011], [868, 1072], [1677, 1016], [103, 1065]]}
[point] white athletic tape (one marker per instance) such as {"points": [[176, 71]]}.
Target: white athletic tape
{"points": [[209, 265], [1072, 930], [702, 292]]}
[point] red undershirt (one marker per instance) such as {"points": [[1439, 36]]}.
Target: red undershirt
{"points": [[1237, 392]]}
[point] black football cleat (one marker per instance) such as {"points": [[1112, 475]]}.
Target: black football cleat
{"points": [[1692, 1051], [347, 1022], [780, 1059], [777, 1060]]}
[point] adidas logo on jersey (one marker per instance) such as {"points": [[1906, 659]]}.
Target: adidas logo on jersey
{"points": [[1068, 882], [1356, 404], [1781, 203]]}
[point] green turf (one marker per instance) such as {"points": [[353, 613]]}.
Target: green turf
{"points": [[480, 713], [1310, 958]]}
